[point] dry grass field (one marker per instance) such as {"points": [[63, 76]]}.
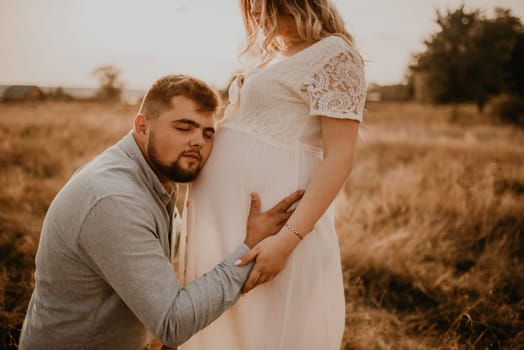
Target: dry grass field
{"points": [[431, 221]]}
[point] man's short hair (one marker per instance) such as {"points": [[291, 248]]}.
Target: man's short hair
{"points": [[158, 97]]}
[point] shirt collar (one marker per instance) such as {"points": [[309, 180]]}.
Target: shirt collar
{"points": [[131, 148]]}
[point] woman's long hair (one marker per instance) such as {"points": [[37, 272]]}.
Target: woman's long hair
{"points": [[314, 19]]}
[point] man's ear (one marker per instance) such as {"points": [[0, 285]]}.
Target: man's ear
{"points": [[141, 124]]}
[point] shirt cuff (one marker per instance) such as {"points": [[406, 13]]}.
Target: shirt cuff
{"points": [[241, 271]]}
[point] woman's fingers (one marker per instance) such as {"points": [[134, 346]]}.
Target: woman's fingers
{"points": [[252, 281], [247, 257], [255, 279]]}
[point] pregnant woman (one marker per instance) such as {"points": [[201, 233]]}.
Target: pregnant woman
{"points": [[292, 123]]}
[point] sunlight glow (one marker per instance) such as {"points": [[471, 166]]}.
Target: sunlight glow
{"points": [[60, 42]]}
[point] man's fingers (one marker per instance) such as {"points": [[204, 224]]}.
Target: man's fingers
{"points": [[247, 258], [287, 202], [254, 206], [284, 216]]}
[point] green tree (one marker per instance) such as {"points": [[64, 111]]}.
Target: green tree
{"points": [[468, 59], [516, 67], [109, 79]]}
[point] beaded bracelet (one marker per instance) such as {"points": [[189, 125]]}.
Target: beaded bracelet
{"points": [[292, 229]]}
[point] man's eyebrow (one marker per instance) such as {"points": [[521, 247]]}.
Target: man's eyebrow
{"points": [[187, 121]]}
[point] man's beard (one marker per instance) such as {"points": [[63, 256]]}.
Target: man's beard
{"points": [[174, 171]]}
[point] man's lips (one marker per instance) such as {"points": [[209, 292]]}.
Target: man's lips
{"points": [[193, 155]]}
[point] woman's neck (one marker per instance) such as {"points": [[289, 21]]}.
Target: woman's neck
{"points": [[290, 38], [293, 46]]}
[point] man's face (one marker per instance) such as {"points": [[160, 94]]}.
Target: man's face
{"points": [[180, 141]]}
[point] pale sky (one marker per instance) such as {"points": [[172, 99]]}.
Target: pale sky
{"points": [[60, 42]]}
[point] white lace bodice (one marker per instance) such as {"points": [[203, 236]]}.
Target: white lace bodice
{"points": [[282, 102]]}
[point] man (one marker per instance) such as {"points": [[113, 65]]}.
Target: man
{"points": [[104, 279]]}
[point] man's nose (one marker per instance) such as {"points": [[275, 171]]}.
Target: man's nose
{"points": [[197, 141]]}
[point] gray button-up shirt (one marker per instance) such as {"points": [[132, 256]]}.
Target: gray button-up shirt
{"points": [[103, 272]]}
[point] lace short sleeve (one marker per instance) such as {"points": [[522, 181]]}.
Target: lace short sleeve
{"points": [[337, 88]]}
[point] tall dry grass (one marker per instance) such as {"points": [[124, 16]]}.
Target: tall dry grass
{"points": [[430, 222], [431, 225]]}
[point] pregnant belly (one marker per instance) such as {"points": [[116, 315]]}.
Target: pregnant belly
{"points": [[240, 164]]}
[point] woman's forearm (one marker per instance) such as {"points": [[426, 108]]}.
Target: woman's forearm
{"points": [[326, 182], [339, 145]]}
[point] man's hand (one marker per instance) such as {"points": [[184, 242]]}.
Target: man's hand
{"points": [[262, 225]]}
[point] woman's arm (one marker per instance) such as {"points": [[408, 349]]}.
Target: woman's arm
{"points": [[339, 143]]}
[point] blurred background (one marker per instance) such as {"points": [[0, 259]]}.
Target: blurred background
{"points": [[431, 220]]}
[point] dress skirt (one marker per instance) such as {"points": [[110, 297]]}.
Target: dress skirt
{"points": [[303, 307]]}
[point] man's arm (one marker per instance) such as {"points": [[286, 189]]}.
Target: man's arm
{"points": [[128, 256]]}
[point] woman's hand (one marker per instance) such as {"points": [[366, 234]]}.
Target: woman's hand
{"points": [[271, 256]]}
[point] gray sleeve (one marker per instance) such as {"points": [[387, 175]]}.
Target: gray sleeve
{"points": [[118, 238]]}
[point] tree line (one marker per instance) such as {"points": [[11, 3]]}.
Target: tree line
{"points": [[472, 58]]}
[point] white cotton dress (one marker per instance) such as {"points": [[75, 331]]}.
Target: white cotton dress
{"points": [[270, 143]]}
